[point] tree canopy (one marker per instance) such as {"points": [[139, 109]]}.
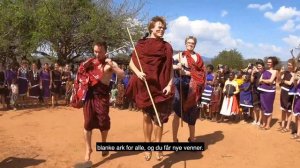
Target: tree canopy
{"points": [[232, 58], [64, 30]]}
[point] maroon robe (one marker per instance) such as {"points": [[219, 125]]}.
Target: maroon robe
{"points": [[156, 60], [95, 95]]}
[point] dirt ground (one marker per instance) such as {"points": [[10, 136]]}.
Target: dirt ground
{"points": [[44, 137]]}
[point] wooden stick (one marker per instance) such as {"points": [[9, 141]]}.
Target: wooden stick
{"points": [[141, 69], [180, 87]]}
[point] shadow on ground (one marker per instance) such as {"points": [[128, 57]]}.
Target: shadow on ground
{"points": [[175, 157], [110, 157], [15, 162]]}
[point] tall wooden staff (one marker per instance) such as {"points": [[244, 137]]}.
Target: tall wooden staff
{"points": [[295, 59], [141, 69], [180, 87]]}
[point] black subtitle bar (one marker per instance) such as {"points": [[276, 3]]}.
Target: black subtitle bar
{"points": [[140, 146]]}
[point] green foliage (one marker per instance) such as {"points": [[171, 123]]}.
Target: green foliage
{"points": [[246, 62], [121, 59], [71, 26], [64, 30], [232, 58], [17, 26]]}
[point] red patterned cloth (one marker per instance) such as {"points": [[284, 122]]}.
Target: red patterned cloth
{"points": [[197, 82], [93, 95]]}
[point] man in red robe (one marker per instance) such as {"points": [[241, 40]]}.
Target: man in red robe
{"points": [[155, 56], [94, 75]]}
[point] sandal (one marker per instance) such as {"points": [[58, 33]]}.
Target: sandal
{"points": [[159, 156], [295, 136], [148, 155], [191, 141], [285, 130], [280, 128], [261, 126], [264, 128]]}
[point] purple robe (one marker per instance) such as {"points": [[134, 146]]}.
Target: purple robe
{"points": [[267, 94], [296, 91], [45, 78], [246, 95], [9, 76]]}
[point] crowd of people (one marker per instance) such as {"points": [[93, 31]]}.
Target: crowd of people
{"points": [[249, 95], [159, 83], [27, 85]]}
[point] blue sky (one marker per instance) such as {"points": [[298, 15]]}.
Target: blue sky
{"points": [[256, 28]]}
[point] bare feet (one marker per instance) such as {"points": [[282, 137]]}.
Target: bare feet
{"points": [[105, 153], [88, 155], [159, 155], [148, 155]]}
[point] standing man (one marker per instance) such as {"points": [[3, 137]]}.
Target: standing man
{"points": [[155, 56], [192, 79], [96, 105]]}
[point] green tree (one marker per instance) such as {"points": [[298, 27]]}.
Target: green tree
{"points": [[64, 31], [232, 58], [17, 29], [246, 62], [68, 28]]}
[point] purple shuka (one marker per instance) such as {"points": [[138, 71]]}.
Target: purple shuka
{"points": [[297, 100], [45, 77], [267, 94], [10, 75], [246, 95]]}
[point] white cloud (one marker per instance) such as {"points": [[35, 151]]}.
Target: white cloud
{"points": [[289, 26], [269, 47], [214, 37], [283, 13], [261, 7], [292, 40], [211, 32], [224, 13]]}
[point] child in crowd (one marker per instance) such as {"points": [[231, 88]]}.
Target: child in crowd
{"points": [[14, 94], [69, 88], [230, 104], [113, 95], [207, 93], [246, 98]]}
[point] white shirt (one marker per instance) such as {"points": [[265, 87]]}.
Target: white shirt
{"points": [[14, 89], [183, 58]]}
